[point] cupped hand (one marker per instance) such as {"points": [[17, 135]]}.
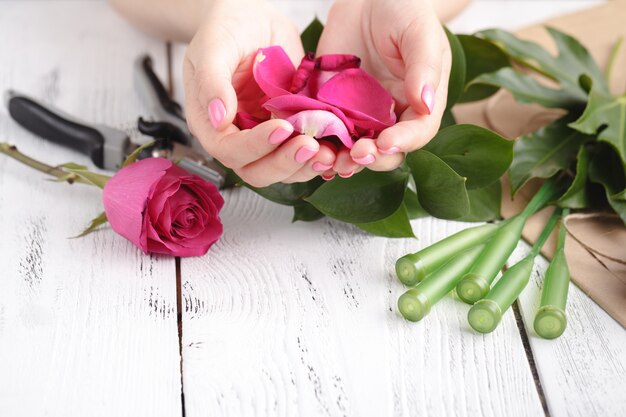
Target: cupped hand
{"points": [[403, 45], [218, 82]]}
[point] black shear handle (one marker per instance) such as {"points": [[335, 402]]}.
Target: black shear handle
{"points": [[57, 128]]}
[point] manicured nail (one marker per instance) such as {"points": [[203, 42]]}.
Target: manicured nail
{"points": [[304, 154], [428, 97], [366, 160], [390, 151], [279, 135], [319, 167], [347, 175], [217, 112], [328, 177]]}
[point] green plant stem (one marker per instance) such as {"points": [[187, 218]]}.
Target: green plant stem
{"points": [[545, 234], [548, 192], [13, 152], [613, 57]]}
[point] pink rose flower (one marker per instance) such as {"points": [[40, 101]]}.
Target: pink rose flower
{"points": [[328, 96], [162, 208]]}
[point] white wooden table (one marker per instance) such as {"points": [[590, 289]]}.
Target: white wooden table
{"points": [[278, 318]]}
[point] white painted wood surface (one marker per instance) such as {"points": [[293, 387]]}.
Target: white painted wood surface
{"points": [[583, 372], [87, 326]]}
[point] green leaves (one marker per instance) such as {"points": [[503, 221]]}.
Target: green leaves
{"points": [[440, 190], [456, 83], [577, 195], [607, 169], [572, 60], [288, 194], [484, 203], [396, 225], [311, 35], [81, 171], [93, 225], [545, 152], [364, 198], [481, 57], [606, 117], [458, 159], [478, 154]]}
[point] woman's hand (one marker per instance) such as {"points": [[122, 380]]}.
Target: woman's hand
{"points": [[219, 82], [403, 45]]}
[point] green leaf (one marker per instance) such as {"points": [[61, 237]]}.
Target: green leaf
{"points": [[306, 212], [93, 225], [476, 153], [73, 166], [572, 60], [99, 180], [412, 204], [606, 117], [311, 35], [577, 196], [543, 153], [447, 119], [484, 203], [363, 198], [440, 190], [288, 194], [607, 169], [481, 57], [527, 89], [396, 225], [456, 83], [135, 154]]}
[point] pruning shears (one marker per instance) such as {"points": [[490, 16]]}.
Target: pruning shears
{"points": [[108, 147]]}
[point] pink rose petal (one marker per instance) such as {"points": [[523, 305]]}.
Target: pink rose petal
{"points": [[320, 124], [361, 97], [273, 71]]}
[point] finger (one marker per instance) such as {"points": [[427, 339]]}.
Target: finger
{"points": [[413, 130], [209, 63], [423, 47], [280, 164], [365, 152], [320, 163], [344, 165], [244, 147]]}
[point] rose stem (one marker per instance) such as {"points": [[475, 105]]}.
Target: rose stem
{"points": [[476, 283], [414, 267], [550, 320], [485, 315], [417, 301], [11, 150]]}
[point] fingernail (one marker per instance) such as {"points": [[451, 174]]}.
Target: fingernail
{"points": [[304, 154], [366, 160], [217, 112], [279, 135], [328, 177], [428, 97], [319, 167], [347, 175], [390, 151]]}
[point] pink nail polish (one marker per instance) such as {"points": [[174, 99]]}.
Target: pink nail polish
{"points": [[319, 167], [390, 151], [304, 154], [328, 177], [428, 97], [366, 160], [279, 135], [347, 175], [217, 112]]}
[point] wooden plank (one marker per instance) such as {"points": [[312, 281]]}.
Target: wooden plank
{"points": [[583, 373], [87, 326], [300, 319]]}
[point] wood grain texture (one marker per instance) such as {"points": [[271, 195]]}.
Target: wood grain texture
{"points": [[300, 319], [583, 373], [87, 326]]}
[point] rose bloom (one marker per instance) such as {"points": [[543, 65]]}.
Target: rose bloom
{"points": [[326, 97], [162, 208]]}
